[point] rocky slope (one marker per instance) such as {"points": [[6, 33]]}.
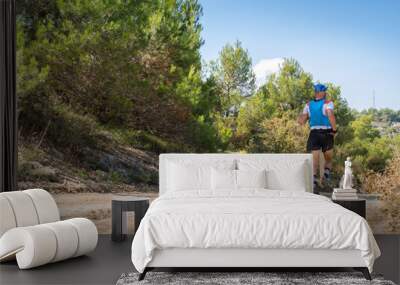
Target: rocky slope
{"points": [[112, 169]]}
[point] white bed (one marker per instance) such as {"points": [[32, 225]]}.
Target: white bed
{"points": [[197, 224]]}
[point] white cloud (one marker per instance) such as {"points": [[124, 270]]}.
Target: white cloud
{"points": [[266, 67]]}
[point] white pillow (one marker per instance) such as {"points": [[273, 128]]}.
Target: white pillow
{"points": [[287, 174], [186, 178], [251, 178], [193, 173], [223, 179]]}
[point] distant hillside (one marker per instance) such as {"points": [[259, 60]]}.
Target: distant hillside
{"points": [[387, 121]]}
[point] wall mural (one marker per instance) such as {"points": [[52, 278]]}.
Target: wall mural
{"points": [[104, 87]]}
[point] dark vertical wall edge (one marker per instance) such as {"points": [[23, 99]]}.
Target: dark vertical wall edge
{"points": [[8, 100]]}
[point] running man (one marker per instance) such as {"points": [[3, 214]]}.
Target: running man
{"points": [[319, 113]]}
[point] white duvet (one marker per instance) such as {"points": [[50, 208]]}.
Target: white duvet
{"points": [[250, 219]]}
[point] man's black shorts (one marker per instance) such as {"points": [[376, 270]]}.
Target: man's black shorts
{"points": [[320, 139]]}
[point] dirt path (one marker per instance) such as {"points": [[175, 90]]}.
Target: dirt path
{"points": [[94, 206]]}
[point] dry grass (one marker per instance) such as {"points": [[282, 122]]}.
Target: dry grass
{"points": [[387, 184]]}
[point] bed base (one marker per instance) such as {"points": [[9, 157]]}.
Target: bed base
{"points": [[363, 270], [250, 259]]}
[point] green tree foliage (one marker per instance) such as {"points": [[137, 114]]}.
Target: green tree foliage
{"points": [[369, 150], [234, 76], [251, 114], [363, 128], [232, 81], [290, 89], [129, 64], [343, 114], [283, 93]]}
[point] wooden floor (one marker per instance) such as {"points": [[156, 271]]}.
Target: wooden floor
{"points": [[111, 259]]}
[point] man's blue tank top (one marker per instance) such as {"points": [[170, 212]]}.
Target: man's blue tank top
{"points": [[317, 117]]}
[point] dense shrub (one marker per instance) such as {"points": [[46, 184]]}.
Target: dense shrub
{"points": [[68, 129], [279, 135]]}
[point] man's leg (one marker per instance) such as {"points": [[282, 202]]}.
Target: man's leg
{"points": [[328, 155], [315, 154], [327, 149], [313, 147]]}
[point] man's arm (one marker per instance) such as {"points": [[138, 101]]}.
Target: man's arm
{"points": [[302, 119], [332, 119]]}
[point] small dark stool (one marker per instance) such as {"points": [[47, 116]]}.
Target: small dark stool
{"points": [[358, 206], [120, 205]]}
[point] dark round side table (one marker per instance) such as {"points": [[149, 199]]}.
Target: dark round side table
{"points": [[121, 204]]}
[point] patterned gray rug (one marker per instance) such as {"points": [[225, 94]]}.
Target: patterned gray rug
{"points": [[243, 278]]}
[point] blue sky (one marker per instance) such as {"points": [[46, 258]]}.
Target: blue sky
{"points": [[354, 44]]}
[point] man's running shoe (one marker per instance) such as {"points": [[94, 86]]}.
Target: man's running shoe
{"points": [[327, 175], [315, 184]]}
